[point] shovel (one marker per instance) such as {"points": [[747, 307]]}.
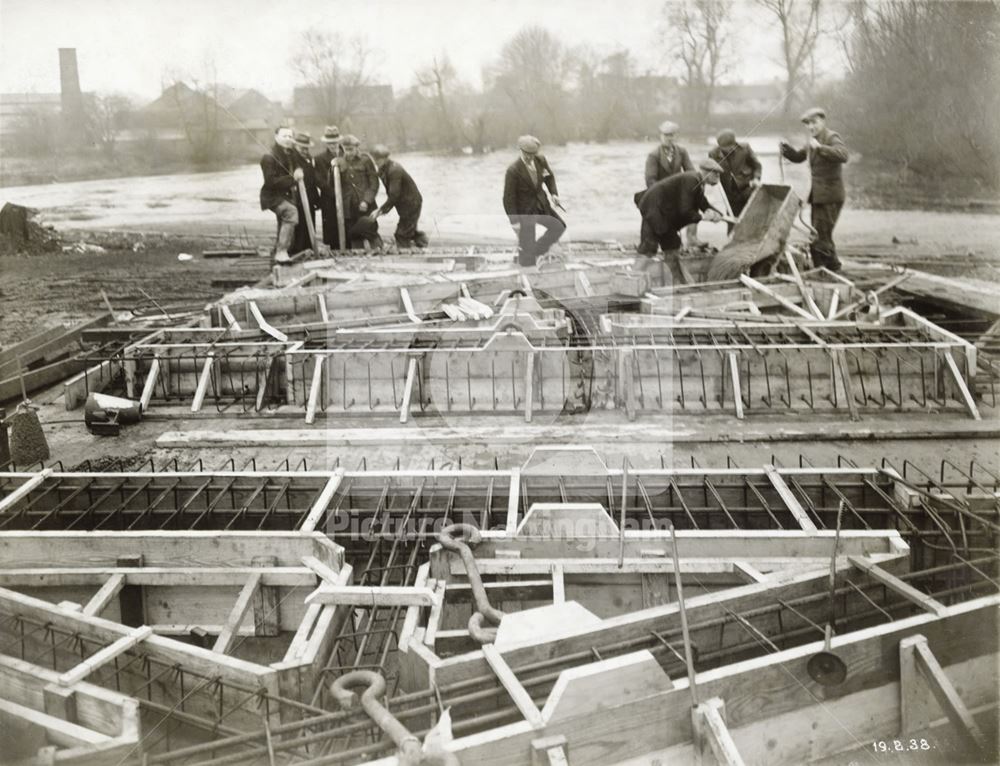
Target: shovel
{"points": [[826, 668]]}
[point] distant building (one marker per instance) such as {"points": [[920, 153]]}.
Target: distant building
{"points": [[20, 112], [747, 98], [369, 109]]}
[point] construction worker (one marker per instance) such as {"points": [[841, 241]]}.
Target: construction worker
{"points": [[668, 159], [324, 180], [302, 160], [527, 204], [670, 205], [401, 193], [277, 194], [741, 170], [826, 154], [359, 184]]}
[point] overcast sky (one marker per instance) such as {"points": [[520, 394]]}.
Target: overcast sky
{"points": [[127, 46]]}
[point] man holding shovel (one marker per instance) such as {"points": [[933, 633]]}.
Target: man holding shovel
{"points": [[826, 154]]}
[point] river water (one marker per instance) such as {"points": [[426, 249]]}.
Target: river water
{"points": [[462, 199]]}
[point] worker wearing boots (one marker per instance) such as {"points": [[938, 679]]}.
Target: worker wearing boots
{"points": [[741, 170], [670, 205], [302, 160], [359, 180], [527, 204], [826, 154], [324, 180], [277, 194], [402, 193]]}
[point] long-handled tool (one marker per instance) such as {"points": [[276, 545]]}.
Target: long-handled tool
{"points": [[826, 668], [307, 210], [338, 193], [688, 655]]}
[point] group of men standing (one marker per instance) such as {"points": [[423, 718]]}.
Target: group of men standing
{"points": [[298, 184], [673, 200]]}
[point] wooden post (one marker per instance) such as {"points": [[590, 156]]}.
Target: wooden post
{"points": [[920, 671], [712, 741], [338, 193], [131, 598]]}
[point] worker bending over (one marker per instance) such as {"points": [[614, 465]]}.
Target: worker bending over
{"points": [[527, 204], [670, 205], [826, 153], [401, 193], [740, 170]]}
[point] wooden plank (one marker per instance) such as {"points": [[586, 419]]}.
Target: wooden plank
{"points": [[8, 502], [734, 373], [558, 585], [788, 498], [61, 732], [105, 655], [411, 375], [324, 314], [780, 299], [314, 389], [264, 325], [971, 294], [712, 735], [960, 384], [434, 619], [529, 384], [749, 572], [323, 501], [102, 598], [413, 612], [404, 296], [325, 572], [943, 690], [203, 380], [807, 296], [231, 322], [513, 500], [840, 364], [150, 385], [238, 613], [518, 694], [892, 582], [362, 595]]}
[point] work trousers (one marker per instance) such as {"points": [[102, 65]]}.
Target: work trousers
{"points": [[530, 248], [288, 218], [824, 219], [407, 234], [328, 207], [650, 240]]}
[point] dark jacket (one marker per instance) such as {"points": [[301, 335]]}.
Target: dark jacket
{"points": [[324, 173], [359, 183], [308, 177], [673, 203], [739, 164], [658, 167], [521, 196], [277, 168], [824, 166], [401, 191]]}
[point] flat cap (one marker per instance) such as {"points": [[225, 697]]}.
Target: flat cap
{"points": [[710, 166], [669, 127], [302, 139], [351, 140], [529, 144], [380, 151], [816, 111], [331, 134], [726, 137]]}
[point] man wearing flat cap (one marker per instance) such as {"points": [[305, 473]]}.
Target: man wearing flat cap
{"points": [[667, 159], [324, 180], [826, 154], [302, 160], [527, 204], [359, 184], [671, 205], [401, 192], [740, 169]]}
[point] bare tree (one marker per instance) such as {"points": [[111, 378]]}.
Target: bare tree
{"points": [[337, 68], [106, 115], [436, 81], [698, 32], [533, 72], [799, 25]]}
